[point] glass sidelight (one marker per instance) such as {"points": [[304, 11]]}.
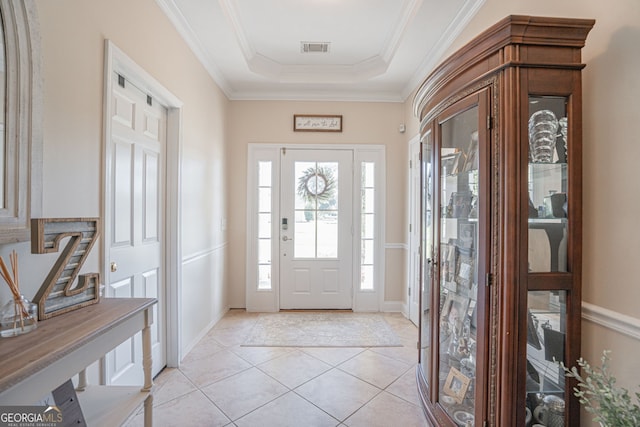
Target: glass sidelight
{"points": [[264, 224], [368, 223]]}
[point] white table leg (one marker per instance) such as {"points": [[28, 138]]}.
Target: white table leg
{"points": [[82, 380], [148, 411], [146, 350], [147, 363]]}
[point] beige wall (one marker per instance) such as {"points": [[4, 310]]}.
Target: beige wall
{"points": [[411, 121], [611, 89], [73, 34], [272, 122]]}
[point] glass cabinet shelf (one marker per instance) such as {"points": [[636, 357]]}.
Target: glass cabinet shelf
{"points": [[533, 221]]}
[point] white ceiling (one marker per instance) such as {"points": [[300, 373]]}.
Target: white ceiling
{"points": [[380, 50]]}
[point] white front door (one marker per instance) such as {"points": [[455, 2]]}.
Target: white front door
{"points": [[414, 231], [316, 235], [135, 220]]}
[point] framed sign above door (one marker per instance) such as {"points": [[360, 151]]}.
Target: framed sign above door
{"points": [[317, 123]]}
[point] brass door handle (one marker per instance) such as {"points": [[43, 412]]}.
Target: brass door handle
{"points": [[114, 267]]}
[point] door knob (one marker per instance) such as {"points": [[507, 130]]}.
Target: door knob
{"points": [[114, 267], [286, 238]]}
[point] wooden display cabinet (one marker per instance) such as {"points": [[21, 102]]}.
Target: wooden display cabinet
{"points": [[501, 131]]}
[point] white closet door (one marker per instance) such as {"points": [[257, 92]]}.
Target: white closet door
{"points": [[135, 216]]}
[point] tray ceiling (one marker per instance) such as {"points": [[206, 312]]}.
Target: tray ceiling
{"points": [[359, 50]]}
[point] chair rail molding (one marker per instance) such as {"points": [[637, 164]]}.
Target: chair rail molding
{"points": [[396, 246], [613, 320]]}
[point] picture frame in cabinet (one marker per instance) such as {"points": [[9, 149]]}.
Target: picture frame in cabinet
{"points": [[454, 312], [471, 155], [473, 318], [465, 270], [449, 164], [456, 385], [448, 258], [533, 338], [460, 204], [466, 235], [553, 344], [555, 205]]}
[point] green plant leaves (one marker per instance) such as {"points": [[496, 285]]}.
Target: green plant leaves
{"points": [[598, 394]]}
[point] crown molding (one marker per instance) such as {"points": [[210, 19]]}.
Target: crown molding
{"points": [[187, 33], [434, 56], [410, 9], [230, 12], [338, 95]]}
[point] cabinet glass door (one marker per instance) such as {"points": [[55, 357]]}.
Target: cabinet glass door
{"points": [[546, 337], [548, 221], [458, 264], [548, 228], [427, 257]]}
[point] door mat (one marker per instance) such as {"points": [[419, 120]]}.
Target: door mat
{"points": [[322, 329]]}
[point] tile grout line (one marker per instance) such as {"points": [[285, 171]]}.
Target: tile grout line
{"points": [[239, 326]]}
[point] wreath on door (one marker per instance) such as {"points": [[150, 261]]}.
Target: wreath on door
{"points": [[317, 184]]}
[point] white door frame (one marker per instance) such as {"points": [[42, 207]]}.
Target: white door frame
{"points": [[414, 215], [116, 61], [268, 300]]}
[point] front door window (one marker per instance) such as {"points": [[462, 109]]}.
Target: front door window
{"points": [[316, 210]]}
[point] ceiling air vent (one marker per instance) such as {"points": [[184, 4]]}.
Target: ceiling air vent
{"points": [[314, 47]]}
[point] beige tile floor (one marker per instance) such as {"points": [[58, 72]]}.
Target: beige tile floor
{"points": [[221, 383]]}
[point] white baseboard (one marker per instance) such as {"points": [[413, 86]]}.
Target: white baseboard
{"points": [[202, 333], [405, 310], [392, 307], [613, 320]]}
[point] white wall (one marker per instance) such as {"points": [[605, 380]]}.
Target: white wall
{"points": [[73, 34]]}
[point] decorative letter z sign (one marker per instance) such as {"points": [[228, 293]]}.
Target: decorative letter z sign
{"points": [[58, 295]]}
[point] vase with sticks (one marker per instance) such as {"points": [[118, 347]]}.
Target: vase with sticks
{"points": [[19, 315]]}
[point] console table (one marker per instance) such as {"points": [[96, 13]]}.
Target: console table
{"points": [[36, 363]]}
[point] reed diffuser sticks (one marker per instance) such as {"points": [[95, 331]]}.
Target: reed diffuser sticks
{"points": [[12, 279]]}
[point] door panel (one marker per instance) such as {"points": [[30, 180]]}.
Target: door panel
{"points": [[122, 182], [316, 238], [135, 218], [151, 192]]}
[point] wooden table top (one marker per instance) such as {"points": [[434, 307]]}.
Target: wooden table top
{"points": [[25, 355]]}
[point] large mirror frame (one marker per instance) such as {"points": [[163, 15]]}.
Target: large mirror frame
{"points": [[22, 168]]}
